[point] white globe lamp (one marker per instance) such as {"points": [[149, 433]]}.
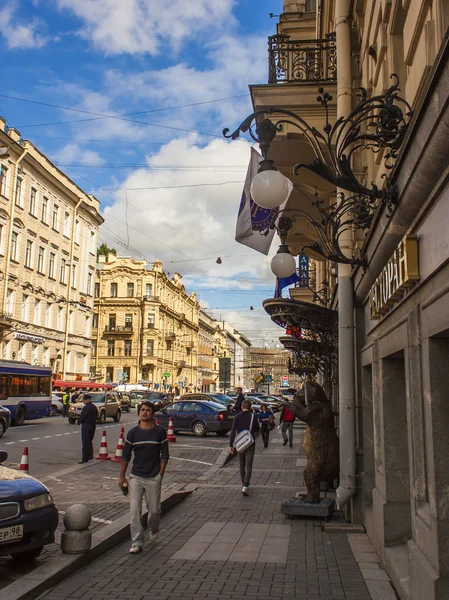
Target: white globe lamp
{"points": [[269, 188], [283, 264]]}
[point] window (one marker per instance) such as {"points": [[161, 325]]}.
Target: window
{"points": [[1, 238], [44, 211], [109, 373], [24, 307], [10, 302], [48, 315], [14, 245], [37, 312], [168, 344], [51, 265], [63, 270], [128, 321], [127, 346], [87, 326], [18, 196], [67, 224], [89, 284], [60, 319], [126, 373], [174, 407], [55, 217], [97, 290], [3, 178], [111, 347], [21, 355], [72, 321], [40, 259], [33, 195], [112, 321], [74, 275], [150, 321], [130, 290], [94, 346], [95, 321], [29, 254], [77, 232], [46, 357], [92, 242], [34, 354], [148, 289], [192, 407], [150, 347], [113, 290]]}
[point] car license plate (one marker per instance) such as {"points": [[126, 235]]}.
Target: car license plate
{"points": [[9, 534]]}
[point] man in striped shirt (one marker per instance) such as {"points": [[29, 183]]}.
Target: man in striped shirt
{"points": [[148, 442]]}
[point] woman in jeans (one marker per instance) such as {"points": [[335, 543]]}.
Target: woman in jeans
{"points": [[265, 417]]}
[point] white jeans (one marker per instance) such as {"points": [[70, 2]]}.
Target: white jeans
{"points": [[150, 487]]}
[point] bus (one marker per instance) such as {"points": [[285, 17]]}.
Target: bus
{"points": [[25, 390]]}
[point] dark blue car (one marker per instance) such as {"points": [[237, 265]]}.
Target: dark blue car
{"points": [[28, 515], [199, 417]]}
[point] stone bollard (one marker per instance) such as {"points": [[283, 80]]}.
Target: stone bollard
{"points": [[76, 539]]}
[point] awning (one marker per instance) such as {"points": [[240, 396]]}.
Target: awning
{"points": [[207, 381], [80, 384]]}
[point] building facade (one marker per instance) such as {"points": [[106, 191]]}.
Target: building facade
{"points": [[145, 326], [393, 309], [48, 243], [208, 366], [269, 370]]}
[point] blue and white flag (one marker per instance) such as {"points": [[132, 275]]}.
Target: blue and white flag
{"points": [[252, 218]]}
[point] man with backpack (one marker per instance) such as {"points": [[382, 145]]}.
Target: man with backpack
{"points": [[244, 428], [286, 419]]}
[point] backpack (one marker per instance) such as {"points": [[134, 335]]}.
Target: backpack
{"points": [[244, 439]]}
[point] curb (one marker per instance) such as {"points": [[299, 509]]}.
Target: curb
{"points": [[62, 565]]}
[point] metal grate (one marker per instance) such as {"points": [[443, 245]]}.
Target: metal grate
{"points": [[9, 510]]}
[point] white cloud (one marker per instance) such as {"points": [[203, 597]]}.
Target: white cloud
{"points": [[18, 34], [143, 26], [75, 153]]}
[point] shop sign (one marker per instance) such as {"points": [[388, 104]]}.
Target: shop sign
{"points": [[399, 274], [166, 374], [26, 337]]}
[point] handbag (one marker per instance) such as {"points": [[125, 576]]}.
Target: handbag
{"points": [[244, 439], [271, 423]]}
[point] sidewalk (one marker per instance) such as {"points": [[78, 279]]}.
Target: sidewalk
{"points": [[218, 544]]}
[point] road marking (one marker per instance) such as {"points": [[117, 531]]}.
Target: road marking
{"points": [[69, 433], [21, 441], [26, 426], [58, 434], [47, 436], [33, 439], [191, 460], [8, 443]]}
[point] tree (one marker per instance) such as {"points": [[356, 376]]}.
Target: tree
{"points": [[104, 250]]}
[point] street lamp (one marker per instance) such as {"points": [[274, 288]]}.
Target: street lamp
{"points": [[283, 263], [269, 188]]}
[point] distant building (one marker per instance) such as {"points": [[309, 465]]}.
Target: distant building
{"points": [[145, 326], [269, 370], [208, 367], [48, 242]]}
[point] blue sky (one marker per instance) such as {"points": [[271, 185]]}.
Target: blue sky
{"points": [[153, 57]]}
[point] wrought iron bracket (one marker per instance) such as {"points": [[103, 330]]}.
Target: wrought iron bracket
{"points": [[378, 123]]}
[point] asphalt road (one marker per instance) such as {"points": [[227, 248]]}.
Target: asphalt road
{"points": [[53, 444]]}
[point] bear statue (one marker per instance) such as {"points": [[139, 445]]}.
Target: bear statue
{"points": [[320, 440]]}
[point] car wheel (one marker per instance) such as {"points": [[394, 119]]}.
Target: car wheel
{"points": [[27, 555], [53, 410], [102, 417], [221, 433], [118, 414], [199, 429], [71, 421], [2, 428], [20, 416]]}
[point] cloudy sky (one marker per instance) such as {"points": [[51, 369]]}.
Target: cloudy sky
{"points": [[129, 98]]}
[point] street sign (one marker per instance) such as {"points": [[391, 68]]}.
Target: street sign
{"points": [[225, 372], [167, 374], [284, 381], [180, 383], [268, 379]]}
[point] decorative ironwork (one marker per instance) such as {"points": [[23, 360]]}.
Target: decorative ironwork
{"points": [[377, 123], [299, 61]]}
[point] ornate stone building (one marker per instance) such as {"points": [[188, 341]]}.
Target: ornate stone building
{"points": [[145, 325], [269, 370], [48, 242]]}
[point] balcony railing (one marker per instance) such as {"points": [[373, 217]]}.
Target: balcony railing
{"points": [[152, 298], [298, 61], [118, 329]]}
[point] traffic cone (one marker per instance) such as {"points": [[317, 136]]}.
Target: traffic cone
{"points": [[103, 454], [121, 443], [170, 435], [24, 464]]}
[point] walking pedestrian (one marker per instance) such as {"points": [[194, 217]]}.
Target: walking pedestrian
{"points": [[65, 404], [149, 443], [287, 419], [245, 420], [266, 418], [238, 401], [87, 420]]}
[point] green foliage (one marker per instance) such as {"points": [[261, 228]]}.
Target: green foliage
{"points": [[104, 250]]}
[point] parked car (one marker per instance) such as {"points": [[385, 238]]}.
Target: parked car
{"points": [[28, 515], [198, 416], [125, 401], [106, 403], [56, 405], [212, 397], [5, 422], [159, 399], [273, 403]]}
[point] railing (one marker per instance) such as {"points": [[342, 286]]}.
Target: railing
{"points": [[118, 329], [296, 61], [152, 298]]}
